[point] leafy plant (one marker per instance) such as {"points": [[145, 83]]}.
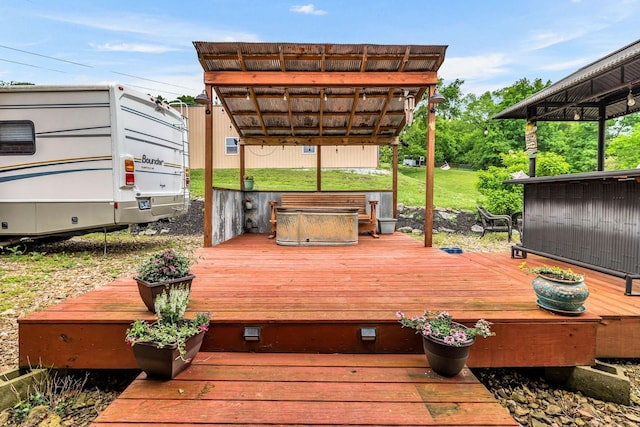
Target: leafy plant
{"points": [[441, 326], [553, 272], [171, 328], [53, 393], [165, 265]]}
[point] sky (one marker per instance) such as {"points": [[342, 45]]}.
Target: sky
{"points": [[149, 44]]}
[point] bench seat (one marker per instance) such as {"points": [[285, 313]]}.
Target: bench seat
{"points": [[366, 219]]}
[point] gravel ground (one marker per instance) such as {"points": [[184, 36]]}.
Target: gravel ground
{"points": [[529, 398]]}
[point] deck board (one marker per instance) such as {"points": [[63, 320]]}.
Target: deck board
{"points": [[314, 299], [303, 389]]}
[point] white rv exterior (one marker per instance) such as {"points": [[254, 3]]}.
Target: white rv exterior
{"points": [[78, 159]]}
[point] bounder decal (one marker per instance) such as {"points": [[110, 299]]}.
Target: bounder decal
{"points": [[150, 161]]}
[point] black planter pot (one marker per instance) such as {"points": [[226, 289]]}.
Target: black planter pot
{"points": [[165, 363], [444, 359], [150, 290]]}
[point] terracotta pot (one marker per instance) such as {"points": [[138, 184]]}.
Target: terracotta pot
{"points": [[165, 363], [560, 296], [446, 360], [150, 290]]}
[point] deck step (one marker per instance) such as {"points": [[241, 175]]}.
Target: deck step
{"points": [[252, 389]]}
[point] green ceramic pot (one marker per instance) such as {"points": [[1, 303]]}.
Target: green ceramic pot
{"points": [[560, 296]]}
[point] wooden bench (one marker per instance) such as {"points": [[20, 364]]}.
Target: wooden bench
{"points": [[366, 220]]}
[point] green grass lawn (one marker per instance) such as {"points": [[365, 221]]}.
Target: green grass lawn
{"points": [[453, 188]]}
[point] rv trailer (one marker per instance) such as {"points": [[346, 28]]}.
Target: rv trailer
{"points": [[80, 159]]}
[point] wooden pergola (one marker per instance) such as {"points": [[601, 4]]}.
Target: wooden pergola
{"points": [[282, 94]]}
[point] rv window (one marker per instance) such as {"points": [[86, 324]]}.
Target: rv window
{"points": [[17, 137], [309, 149], [231, 145]]}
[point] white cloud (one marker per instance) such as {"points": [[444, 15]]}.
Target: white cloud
{"points": [[572, 65], [545, 39], [308, 9], [133, 47], [474, 67], [154, 28]]}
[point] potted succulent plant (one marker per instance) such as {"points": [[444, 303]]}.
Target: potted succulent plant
{"points": [[165, 347], [446, 343], [559, 290], [162, 270]]}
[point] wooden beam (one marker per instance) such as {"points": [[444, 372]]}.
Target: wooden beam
{"points": [[317, 57], [318, 140], [308, 78], [249, 113]]}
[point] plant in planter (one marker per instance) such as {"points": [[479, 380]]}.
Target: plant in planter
{"points": [[559, 290], [248, 182], [166, 347], [162, 271], [446, 343]]}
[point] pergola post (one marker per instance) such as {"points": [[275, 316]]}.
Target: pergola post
{"points": [[208, 174], [601, 137], [394, 188], [430, 148], [242, 167], [318, 168]]}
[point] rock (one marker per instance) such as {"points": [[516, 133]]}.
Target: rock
{"points": [[37, 413], [52, 420], [585, 414], [448, 216], [553, 410], [633, 418], [477, 228], [503, 393], [611, 408], [540, 416], [518, 397]]}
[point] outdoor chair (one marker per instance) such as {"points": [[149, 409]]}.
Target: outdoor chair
{"points": [[497, 223]]}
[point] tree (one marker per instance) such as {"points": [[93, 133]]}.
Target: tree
{"points": [[504, 198], [625, 148]]}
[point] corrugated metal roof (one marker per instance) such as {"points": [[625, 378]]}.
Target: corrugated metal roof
{"points": [[322, 109], [604, 84]]}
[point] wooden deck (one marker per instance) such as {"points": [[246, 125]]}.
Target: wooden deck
{"points": [[252, 389], [310, 366], [316, 299]]}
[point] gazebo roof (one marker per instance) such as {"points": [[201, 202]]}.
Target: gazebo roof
{"points": [[604, 84], [318, 94]]}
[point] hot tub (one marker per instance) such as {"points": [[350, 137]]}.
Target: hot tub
{"points": [[317, 226]]}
